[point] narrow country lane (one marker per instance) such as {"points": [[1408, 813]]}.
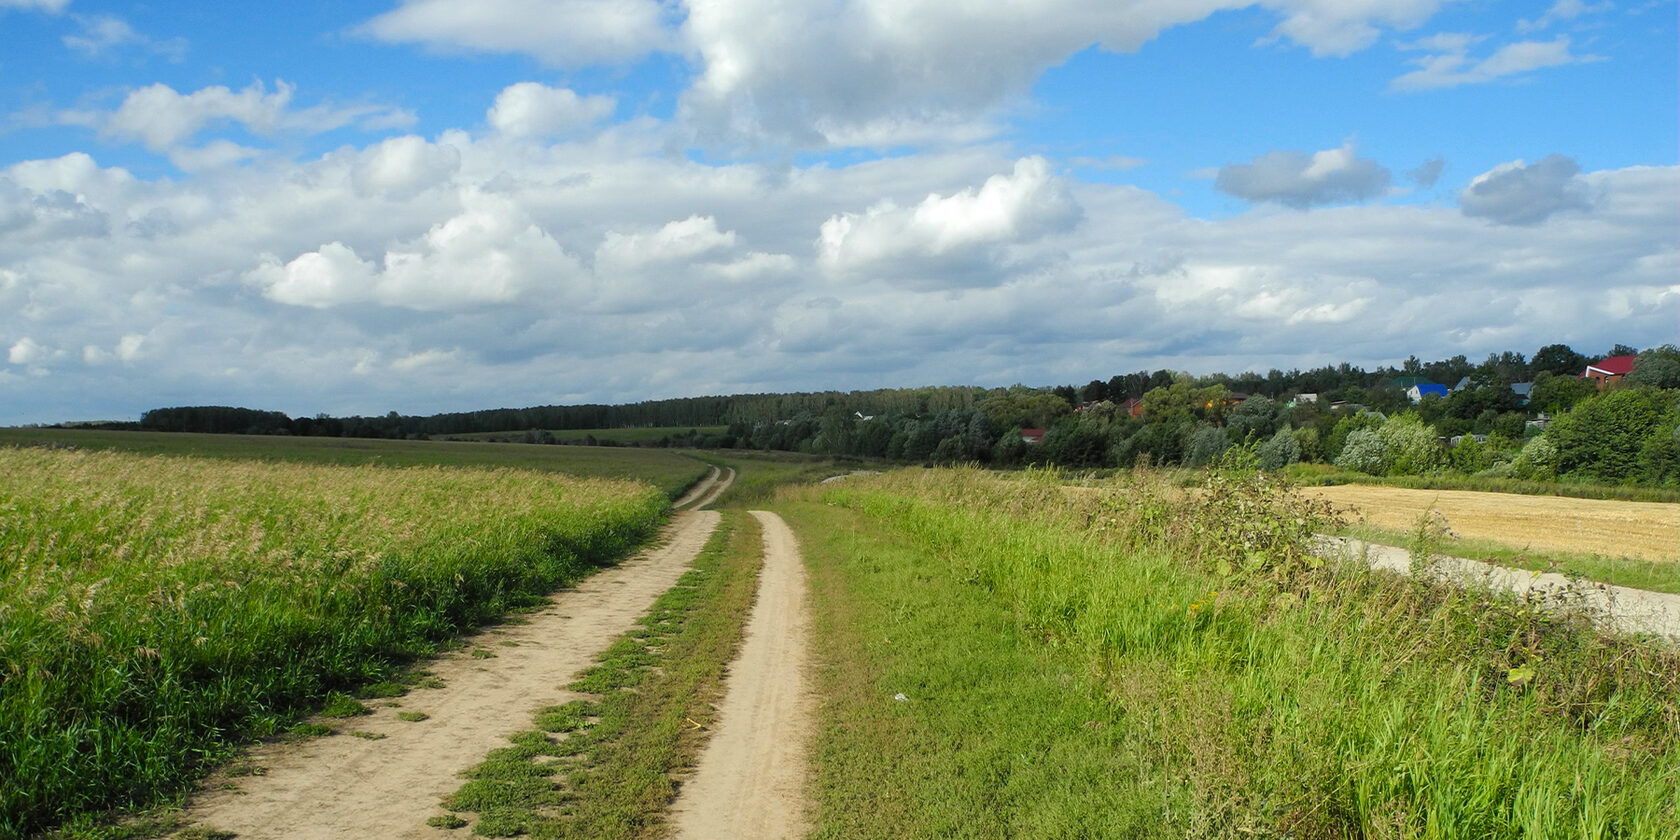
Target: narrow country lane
{"points": [[386, 784], [749, 784]]}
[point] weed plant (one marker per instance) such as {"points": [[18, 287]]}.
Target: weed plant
{"points": [[1251, 688], [154, 610]]}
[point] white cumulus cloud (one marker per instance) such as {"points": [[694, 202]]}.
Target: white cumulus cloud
{"points": [[946, 234], [530, 109], [491, 253]]}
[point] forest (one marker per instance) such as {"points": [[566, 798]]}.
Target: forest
{"points": [[1535, 418]]}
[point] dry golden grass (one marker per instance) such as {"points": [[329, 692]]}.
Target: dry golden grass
{"points": [[1643, 530]]}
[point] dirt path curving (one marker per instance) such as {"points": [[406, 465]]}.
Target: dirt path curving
{"points": [[750, 782], [388, 785], [706, 490], [699, 489]]}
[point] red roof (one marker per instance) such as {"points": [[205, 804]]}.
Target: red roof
{"points": [[1613, 366]]}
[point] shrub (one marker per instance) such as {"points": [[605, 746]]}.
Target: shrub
{"points": [[1279, 451], [1410, 447], [1363, 452], [1206, 444]]}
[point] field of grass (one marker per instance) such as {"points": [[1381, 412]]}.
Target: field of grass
{"points": [[155, 609], [667, 470], [625, 436], [1005, 658]]}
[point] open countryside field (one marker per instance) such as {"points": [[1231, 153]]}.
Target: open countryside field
{"points": [[1641, 530], [619, 435], [668, 471], [153, 608], [1003, 658], [1633, 544]]}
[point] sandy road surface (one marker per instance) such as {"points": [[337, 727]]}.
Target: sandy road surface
{"points": [[706, 490], [349, 787], [749, 784]]}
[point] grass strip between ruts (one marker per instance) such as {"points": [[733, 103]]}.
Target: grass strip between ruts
{"points": [[604, 766]]}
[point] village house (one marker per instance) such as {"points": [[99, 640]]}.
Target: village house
{"points": [[1609, 371]]}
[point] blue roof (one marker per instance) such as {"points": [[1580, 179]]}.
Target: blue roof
{"points": [[1425, 389]]}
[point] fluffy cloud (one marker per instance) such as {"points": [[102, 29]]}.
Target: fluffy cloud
{"points": [[1526, 194], [400, 167], [960, 239], [491, 254], [1294, 179], [27, 352], [1452, 66], [562, 33], [529, 109], [604, 269], [855, 72]]}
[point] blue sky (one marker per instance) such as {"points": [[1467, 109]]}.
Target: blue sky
{"points": [[422, 205]]}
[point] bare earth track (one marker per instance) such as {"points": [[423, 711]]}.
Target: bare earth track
{"points": [[749, 784], [346, 786]]}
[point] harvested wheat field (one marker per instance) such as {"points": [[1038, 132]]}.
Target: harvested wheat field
{"points": [[1641, 530]]}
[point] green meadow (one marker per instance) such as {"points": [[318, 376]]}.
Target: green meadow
{"points": [[157, 609], [1010, 657], [668, 470]]}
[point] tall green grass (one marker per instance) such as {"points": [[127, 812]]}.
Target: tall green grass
{"points": [[153, 609], [1279, 695]]}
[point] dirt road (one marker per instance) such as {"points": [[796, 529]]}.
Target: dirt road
{"points": [[706, 490], [749, 783], [345, 786]]}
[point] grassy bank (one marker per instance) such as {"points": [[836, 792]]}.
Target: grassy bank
{"points": [[153, 609], [669, 471], [1128, 663], [602, 767]]}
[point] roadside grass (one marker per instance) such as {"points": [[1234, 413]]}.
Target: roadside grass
{"points": [[1652, 575], [1326, 474], [1198, 673], [605, 765], [670, 471], [759, 474], [155, 612]]}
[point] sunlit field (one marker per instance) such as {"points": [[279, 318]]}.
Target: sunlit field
{"points": [[669, 471], [154, 609]]}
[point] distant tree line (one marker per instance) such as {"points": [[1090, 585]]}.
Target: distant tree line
{"points": [[1360, 420]]}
